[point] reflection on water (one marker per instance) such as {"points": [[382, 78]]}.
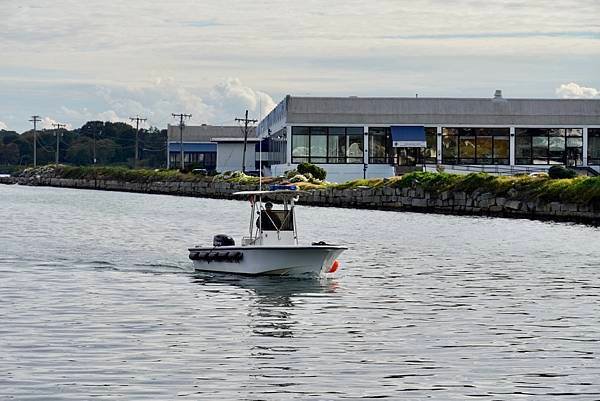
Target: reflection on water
{"points": [[98, 300], [271, 309]]}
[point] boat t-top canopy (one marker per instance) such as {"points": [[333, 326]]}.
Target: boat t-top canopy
{"points": [[277, 192]]}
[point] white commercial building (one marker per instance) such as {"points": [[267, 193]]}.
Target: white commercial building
{"points": [[230, 154], [211, 147], [377, 137]]}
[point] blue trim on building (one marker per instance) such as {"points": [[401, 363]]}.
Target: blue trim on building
{"points": [[193, 147], [408, 133]]}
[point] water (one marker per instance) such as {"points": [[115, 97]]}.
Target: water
{"points": [[98, 301]]}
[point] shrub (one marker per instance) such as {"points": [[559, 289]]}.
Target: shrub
{"points": [[316, 171], [290, 173], [299, 178], [561, 172]]}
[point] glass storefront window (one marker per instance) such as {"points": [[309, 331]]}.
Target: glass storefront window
{"points": [[379, 145], [475, 145], [431, 150], [485, 149], [466, 149], [594, 146], [300, 144], [522, 150], [501, 150], [549, 146], [323, 145], [540, 149], [337, 146], [449, 147], [355, 145], [318, 148]]}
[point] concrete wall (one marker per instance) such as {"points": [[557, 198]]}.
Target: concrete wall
{"points": [[229, 156], [399, 199]]}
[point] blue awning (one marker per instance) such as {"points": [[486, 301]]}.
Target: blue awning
{"points": [[193, 147], [408, 137]]}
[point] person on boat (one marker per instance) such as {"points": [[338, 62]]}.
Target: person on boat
{"points": [[268, 219]]}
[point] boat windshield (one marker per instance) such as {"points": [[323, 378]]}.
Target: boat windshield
{"points": [[275, 220]]}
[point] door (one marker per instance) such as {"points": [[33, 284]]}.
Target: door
{"points": [[409, 156]]}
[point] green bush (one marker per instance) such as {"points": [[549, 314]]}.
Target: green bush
{"points": [[316, 171], [561, 172], [290, 174]]}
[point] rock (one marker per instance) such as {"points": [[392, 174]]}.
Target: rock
{"points": [[513, 205], [418, 202]]}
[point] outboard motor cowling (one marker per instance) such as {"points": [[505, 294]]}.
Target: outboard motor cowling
{"points": [[223, 240]]}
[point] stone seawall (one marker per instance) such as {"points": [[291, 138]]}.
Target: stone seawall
{"points": [[402, 199]]}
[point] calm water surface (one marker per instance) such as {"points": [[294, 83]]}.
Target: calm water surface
{"points": [[98, 301]]}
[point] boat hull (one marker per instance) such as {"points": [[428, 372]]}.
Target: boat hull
{"points": [[267, 260]]}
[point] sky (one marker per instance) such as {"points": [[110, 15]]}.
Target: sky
{"points": [[71, 61]]}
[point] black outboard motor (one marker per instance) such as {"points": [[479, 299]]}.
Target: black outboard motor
{"points": [[223, 240]]}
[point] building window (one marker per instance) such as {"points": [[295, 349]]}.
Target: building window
{"points": [[336, 147], [207, 160], [356, 137], [381, 151], [327, 145], [380, 143], [300, 144], [593, 146], [431, 150], [475, 145], [549, 146]]}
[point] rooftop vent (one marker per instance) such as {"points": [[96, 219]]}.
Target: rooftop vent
{"points": [[498, 96]]}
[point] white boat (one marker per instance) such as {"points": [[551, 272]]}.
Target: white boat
{"points": [[272, 246]]}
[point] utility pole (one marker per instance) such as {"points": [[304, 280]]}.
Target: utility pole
{"points": [[94, 148], [137, 132], [181, 125], [35, 120], [57, 127], [246, 121]]}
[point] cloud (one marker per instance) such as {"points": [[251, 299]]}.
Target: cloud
{"points": [[157, 101], [84, 114], [48, 123], [575, 91], [3, 126], [443, 48], [231, 97]]}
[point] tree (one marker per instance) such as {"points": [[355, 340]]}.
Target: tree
{"points": [[80, 151], [106, 150], [9, 154]]}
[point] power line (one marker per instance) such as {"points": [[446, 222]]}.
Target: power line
{"points": [[181, 117], [137, 134], [35, 120], [246, 121]]}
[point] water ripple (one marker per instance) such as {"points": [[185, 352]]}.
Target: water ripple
{"points": [[98, 300]]}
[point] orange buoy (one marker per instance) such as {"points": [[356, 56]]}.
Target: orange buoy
{"points": [[334, 267]]}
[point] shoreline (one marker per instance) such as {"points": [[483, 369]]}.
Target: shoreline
{"points": [[413, 199]]}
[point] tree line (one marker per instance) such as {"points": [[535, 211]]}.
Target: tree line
{"points": [[107, 142]]}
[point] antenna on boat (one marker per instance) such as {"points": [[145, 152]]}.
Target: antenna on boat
{"points": [[259, 145]]}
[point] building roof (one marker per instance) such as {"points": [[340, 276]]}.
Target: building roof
{"points": [[250, 139], [204, 133], [443, 111]]}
